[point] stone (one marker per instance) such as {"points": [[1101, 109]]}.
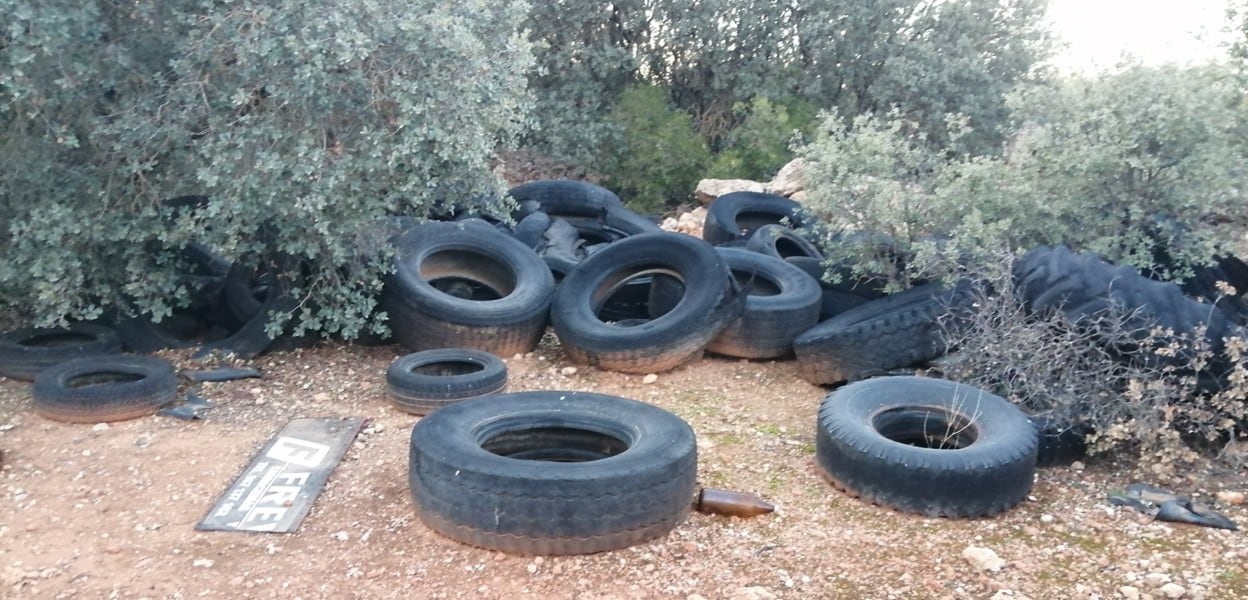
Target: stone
{"points": [[1172, 590], [710, 189], [1230, 498], [752, 593], [1129, 592], [568, 371], [983, 559], [790, 179], [649, 378]]}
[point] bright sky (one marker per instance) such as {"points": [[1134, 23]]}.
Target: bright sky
{"points": [[1155, 31]]}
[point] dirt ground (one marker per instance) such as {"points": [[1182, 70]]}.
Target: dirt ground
{"points": [[109, 511]]}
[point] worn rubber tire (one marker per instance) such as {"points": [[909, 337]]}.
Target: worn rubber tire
{"points": [[140, 386], [552, 472], [27, 351], [422, 382], [900, 330], [595, 211], [836, 297], [1082, 287], [423, 317], [737, 215], [874, 440], [782, 302], [667, 341], [782, 242], [1061, 441], [279, 302]]}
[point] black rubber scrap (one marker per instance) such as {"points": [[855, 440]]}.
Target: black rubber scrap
{"points": [[96, 389], [220, 374], [27, 351]]}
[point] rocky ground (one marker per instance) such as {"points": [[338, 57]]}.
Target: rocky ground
{"points": [[108, 511]]}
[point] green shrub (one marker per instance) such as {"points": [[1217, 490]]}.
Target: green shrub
{"points": [[658, 158], [303, 123], [763, 141]]}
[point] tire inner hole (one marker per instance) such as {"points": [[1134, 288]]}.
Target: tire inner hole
{"points": [[750, 221], [787, 248], [57, 339], [639, 297], [554, 444], [927, 427], [102, 378], [449, 368], [757, 285], [468, 275]]}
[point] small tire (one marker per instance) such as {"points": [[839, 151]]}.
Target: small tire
{"points": [[782, 242], [900, 330], [422, 382], [551, 472], [27, 351], [737, 215], [926, 446], [506, 290], [782, 302], [710, 302], [98, 389]]}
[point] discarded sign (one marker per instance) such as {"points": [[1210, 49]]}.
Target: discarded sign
{"points": [[278, 488]]}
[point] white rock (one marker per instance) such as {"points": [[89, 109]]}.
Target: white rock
{"points": [[202, 562], [752, 593], [341, 536], [1156, 580], [983, 559], [1230, 498], [790, 179], [649, 378], [1129, 592], [100, 427], [710, 189], [1173, 591], [568, 371]]}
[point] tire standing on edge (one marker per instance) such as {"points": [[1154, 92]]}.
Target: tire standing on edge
{"points": [[97, 389], [552, 472], [466, 284], [782, 301], [926, 446], [735, 216], [422, 382], [709, 303], [900, 330], [25, 352]]}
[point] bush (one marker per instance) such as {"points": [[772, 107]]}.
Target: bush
{"points": [[657, 158], [1134, 167], [763, 141], [1150, 410], [303, 124]]}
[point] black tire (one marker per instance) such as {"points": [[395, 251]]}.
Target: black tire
{"points": [[98, 389], [552, 473], [467, 285], [782, 301], [836, 297], [737, 215], [926, 446], [1083, 287], [25, 352], [1062, 440], [563, 196], [422, 382], [279, 302], [782, 242], [710, 302], [900, 330]]}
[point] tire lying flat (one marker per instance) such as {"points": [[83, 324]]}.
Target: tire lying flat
{"points": [[926, 446], [422, 382], [25, 352], [552, 472], [735, 216], [98, 389]]}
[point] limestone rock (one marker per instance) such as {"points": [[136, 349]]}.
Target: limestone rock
{"points": [[790, 179], [983, 559], [710, 189]]}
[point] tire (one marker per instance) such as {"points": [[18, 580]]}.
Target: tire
{"points": [[422, 382], [98, 389], [552, 473], [926, 446], [25, 352], [1062, 440], [506, 290], [710, 303], [781, 242], [835, 299], [278, 302], [1083, 287], [900, 330], [737, 215], [593, 210], [782, 301]]}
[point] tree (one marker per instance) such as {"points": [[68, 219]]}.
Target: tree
{"points": [[302, 122]]}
